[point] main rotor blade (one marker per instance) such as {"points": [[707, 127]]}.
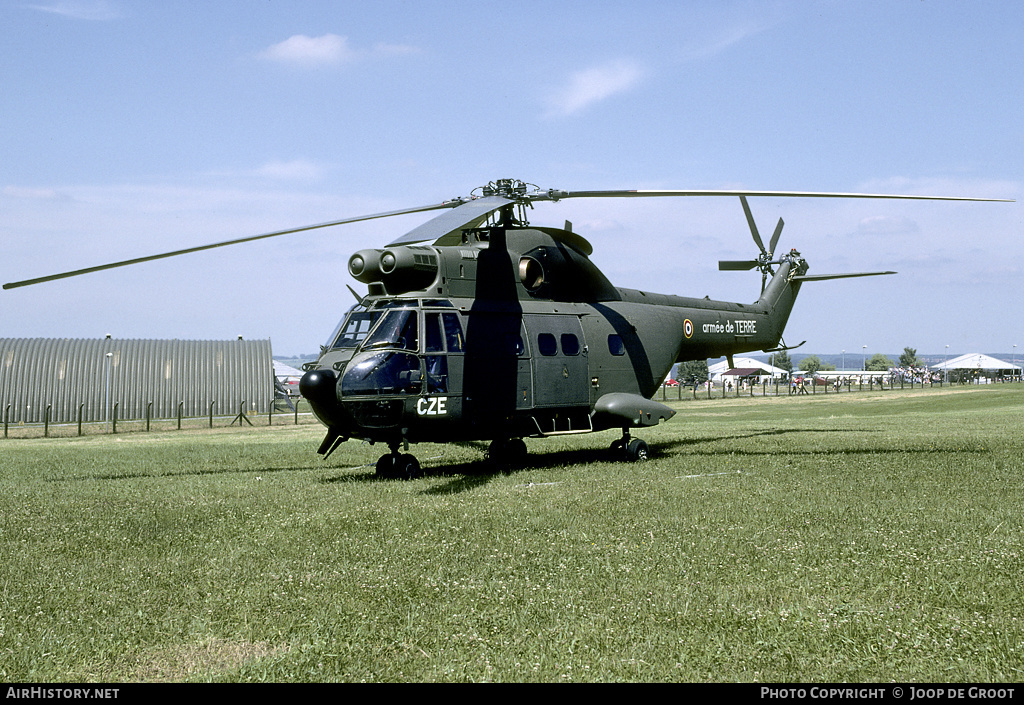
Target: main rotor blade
{"points": [[200, 248], [555, 195], [456, 219]]}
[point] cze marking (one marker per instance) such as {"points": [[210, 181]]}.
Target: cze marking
{"points": [[432, 406]]}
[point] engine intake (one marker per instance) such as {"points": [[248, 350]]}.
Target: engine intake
{"points": [[364, 266], [400, 269]]}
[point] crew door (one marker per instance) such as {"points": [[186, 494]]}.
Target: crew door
{"points": [[560, 366]]}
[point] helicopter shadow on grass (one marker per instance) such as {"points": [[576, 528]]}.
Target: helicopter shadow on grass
{"points": [[471, 474], [679, 443], [143, 474], [879, 448]]}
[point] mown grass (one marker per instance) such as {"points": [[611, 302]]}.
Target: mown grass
{"points": [[865, 537]]}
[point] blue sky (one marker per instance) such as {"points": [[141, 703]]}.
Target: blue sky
{"points": [[133, 128]]}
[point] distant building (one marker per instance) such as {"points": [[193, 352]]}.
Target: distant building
{"points": [[69, 374]]}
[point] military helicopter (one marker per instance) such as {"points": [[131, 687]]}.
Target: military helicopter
{"points": [[477, 326]]}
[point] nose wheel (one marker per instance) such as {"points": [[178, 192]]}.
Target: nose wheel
{"points": [[398, 466]]}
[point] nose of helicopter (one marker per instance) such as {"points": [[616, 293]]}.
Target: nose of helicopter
{"points": [[318, 387]]}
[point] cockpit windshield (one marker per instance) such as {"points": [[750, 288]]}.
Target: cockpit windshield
{"points": [[397, 329]]}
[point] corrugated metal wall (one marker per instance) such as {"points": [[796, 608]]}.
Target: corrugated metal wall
{"points": [[66, 373]]}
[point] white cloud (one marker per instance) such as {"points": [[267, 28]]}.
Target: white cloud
{"points": [[311, 52], [291, 170], [886, 226], [81, 9], [711, 46], [43, 194], [382, 49], [328, 50], [584, 88]]}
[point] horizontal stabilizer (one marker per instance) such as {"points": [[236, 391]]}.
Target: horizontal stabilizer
{"points": [[822, 277]]}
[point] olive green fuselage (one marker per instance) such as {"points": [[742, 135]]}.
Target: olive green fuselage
{"points": [[515, 332]]}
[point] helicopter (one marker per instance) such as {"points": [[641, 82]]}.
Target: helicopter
{"points": [[478, 326]]}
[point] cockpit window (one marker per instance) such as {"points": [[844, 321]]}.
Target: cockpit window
{"points": [[397, 329], [354, 328], [396, 303]]}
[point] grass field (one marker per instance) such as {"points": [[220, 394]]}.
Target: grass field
{"points": [[840, 538]]}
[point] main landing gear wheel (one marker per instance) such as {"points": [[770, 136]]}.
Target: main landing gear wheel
{"points": [[398, 466], [633, 450], [507, 451], [637, 451]]}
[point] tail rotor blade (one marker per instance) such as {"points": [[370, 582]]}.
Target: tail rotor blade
{"points": [[753, 226], [775, 238], [736, 265]]}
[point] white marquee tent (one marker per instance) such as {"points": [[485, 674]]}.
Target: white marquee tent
{"points": [[978, 362], [742, 367]]}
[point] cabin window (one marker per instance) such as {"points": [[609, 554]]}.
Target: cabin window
{"points": [[437, 374], [570, 344], [615, 345], [453, 331], [547, 345], [514, 345], [432, 324]]}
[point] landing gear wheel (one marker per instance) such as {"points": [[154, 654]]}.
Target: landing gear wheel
{"points": [[507, 451], [386, 465], [517, 450], [637, 451], [408, 468], [398, 466], [618, 448]]}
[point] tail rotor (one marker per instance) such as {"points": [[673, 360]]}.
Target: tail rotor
{"points": [[765, 261]]}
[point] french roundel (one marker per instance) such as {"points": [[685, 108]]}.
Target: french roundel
{"points": [[688, 328]]}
